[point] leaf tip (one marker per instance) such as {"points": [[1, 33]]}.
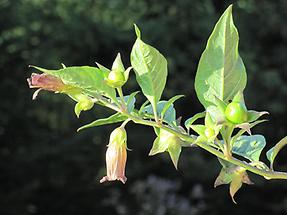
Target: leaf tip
{"points": [[137, 30]]}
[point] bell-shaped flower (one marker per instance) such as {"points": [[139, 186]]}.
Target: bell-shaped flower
{"points": [[116, 156], [46, 82]]}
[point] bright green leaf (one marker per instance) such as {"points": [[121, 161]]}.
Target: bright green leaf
{"points": [[110, 120], [272, 153], [170, 113], [150, 68], [169, 103], [249, 147], [221, 72]]}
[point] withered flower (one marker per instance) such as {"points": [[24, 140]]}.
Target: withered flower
{"points": [[46, 82], [116, 156]]}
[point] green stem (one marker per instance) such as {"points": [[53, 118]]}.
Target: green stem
{"points": [[119, 89], [268, 174]]}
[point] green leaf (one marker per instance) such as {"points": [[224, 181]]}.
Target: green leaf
{"points": [[141, 110], [272, 153], [249, 147], [192, 119], [169, 103], [130, 101], [89, 79], [110, 120], [169, 116], [150, 68], [221, 72]]}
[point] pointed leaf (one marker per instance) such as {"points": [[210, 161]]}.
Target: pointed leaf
{"points": [[249, 147], [169, 116], [110, 120], [169, 103], [221, 72], [150, 68], [272, 153]]}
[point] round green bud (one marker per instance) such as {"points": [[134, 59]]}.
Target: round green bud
{"points": [[116, 79], [236, 112]]}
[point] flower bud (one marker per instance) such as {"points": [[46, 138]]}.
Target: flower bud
{"points": [[116, 156]]}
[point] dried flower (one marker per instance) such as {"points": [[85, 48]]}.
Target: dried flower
{"points": [[116, 156], [46, 82]]}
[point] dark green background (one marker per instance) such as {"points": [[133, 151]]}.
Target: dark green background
{"points": [[47, 168]]}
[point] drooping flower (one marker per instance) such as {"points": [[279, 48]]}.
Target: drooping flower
{"points": [[46, 82], [116, 156]]}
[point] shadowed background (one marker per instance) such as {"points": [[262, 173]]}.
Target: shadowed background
{"points": [[47, 168]]}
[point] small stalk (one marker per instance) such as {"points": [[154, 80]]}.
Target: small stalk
{"points": [[155, 114], [125, 123], [123, 104]]}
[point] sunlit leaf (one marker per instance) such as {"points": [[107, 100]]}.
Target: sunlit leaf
{"points": [[221, 72], [249, 147], [150, 67], [110, 120]]}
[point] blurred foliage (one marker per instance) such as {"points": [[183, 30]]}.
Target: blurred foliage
{"points": [[48, 168]]}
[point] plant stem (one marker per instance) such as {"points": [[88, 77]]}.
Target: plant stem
{"points": [[119, 89], [268, 174]]}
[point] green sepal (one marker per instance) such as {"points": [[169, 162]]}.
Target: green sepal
{"points": [[174, 150], [118, 64], [272, 153], [239, 97], [83, 105], [233, 175], [169, 142], [200, 129], [192, 119], [253, 115]]}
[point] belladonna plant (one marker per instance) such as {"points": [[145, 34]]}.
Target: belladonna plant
{"points": [[219, 84]]}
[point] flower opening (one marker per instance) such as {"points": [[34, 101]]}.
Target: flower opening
{"points": [[116, 156]]}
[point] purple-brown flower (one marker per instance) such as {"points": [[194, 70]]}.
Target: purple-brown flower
{"points": [[46, 82], [116, 156]]}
